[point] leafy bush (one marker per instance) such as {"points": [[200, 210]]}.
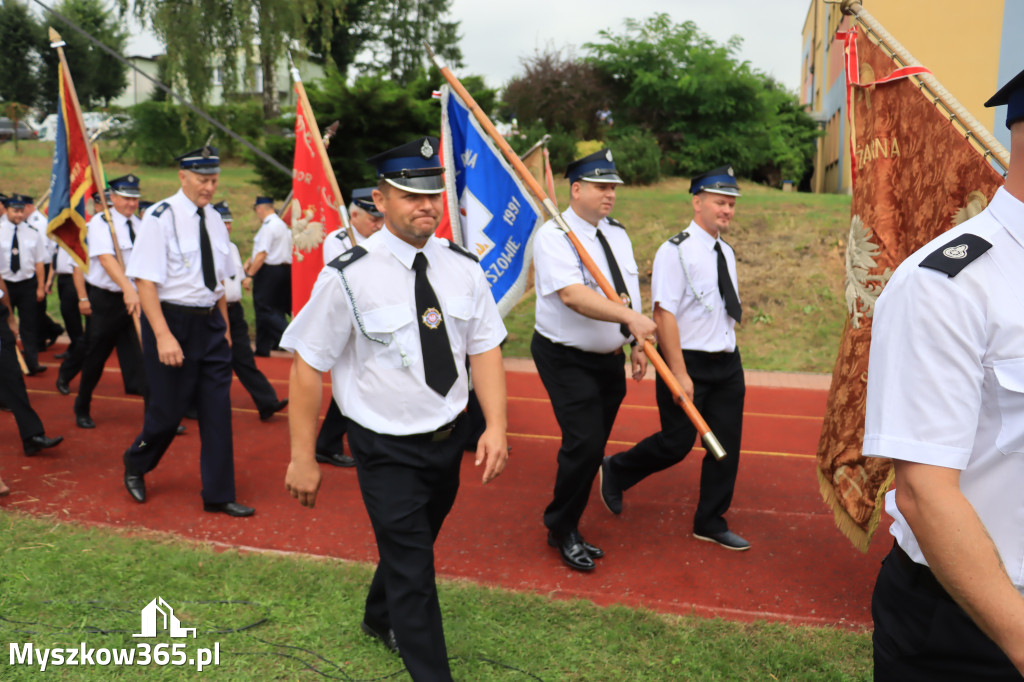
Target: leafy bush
{"points": [[637, 155], [160, 131]]}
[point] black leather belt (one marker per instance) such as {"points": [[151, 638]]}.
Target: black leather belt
{"points": [[441, 434], [188, 309]]}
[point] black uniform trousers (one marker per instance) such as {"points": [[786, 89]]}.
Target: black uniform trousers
{"points": [[68, 297], [23, 300], [243, 362], [12, 383], [272, 301], [110, 326], [409, 484], [922, 635], [718, 392], [205, 374], [586, 390], [47, 329], [329, 440]]}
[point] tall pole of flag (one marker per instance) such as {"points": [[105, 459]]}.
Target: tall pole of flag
{"points": [[97, 173], [710, 440]]}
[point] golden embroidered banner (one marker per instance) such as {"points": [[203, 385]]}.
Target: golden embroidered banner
{"points": [[914, 177]]}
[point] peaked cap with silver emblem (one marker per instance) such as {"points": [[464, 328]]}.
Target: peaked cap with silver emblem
{"points": [[414, 166], [363, 198], [721, 180], [596, 167], [205, 160], [224, 210], [126, 186]]}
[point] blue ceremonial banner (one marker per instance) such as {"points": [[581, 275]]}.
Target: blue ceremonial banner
{"points": [[497, 215]]}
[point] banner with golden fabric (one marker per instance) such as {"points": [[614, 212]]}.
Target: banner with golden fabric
{"points": [[914, 176]]}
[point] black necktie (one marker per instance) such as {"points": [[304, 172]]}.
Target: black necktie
{"points": [[617, 281], [15, 255], [438, 363], [732, 301], [206, 252], [131, 232]]}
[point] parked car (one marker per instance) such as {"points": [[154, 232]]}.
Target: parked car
{"points": [[25, 131]]}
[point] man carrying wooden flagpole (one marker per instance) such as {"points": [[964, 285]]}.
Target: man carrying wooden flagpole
{"points": [[710, 441]]}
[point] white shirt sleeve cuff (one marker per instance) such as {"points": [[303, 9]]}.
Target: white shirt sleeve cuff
{"points": [[916, 451]]}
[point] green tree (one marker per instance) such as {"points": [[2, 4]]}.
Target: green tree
{"points": [[98, 76], [562, 92], [394, 32], [704, 105], [374, 114], [18, 32], [203, 35]]}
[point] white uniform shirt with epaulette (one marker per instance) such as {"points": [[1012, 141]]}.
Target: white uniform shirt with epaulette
{"points": [[167, 252], [275, 239], [556, 265], [65, 263], [373, 350], [684, 282], [338, 242], [946, 372], [233, 284], [31, 250], [100, 244], [37, 221]]}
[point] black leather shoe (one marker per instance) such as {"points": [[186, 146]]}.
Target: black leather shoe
{"points": [[136, 487], [61, 356], [594, 551], [574, 554], [41, 442], [62, 385], [37, 370], [180, 430], [84, 421], [269, 411], [336, 458], [726, 539], [387, 639], [229, 508], [611, 495]]}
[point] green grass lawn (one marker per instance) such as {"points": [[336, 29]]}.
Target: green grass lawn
{"points": [[62, 585]]}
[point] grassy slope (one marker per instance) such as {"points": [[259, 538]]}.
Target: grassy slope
{"points": [[105, 578]]}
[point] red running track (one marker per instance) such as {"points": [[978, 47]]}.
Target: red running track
{"points": [[800, 568]]}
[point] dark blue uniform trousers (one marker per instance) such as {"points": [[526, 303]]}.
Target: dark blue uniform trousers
{"points": [[718, 393], [12, 383], [329, 440], [586, 390], [23, 299], [408, 485], [205, 374], [244, 363], [272, 301]]}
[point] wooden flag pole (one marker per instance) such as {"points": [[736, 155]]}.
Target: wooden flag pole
{"points": [[710, 441], [94, 167], [314, 132]]}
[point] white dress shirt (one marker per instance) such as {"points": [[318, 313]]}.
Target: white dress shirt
{"points": [[167, 252], [275, 239], [374, 354], [100, 244], [338, 242], [31, 250], [556, 266], [946, 376], [233, 284], [65, 263], [690, 292]]}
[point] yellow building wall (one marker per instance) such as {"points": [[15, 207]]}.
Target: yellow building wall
{"points": [[958, 41]]}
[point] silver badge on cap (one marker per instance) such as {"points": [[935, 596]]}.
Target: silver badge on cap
{"points": [[729, 171], [608, 155], [426, 150], [959, 251], [206, 152]]}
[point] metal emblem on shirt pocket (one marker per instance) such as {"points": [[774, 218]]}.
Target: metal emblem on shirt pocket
{"points": [[432, 318]]}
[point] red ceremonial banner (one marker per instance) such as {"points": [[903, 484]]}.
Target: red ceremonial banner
{"points": [[315, 209], [915, 175]]}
